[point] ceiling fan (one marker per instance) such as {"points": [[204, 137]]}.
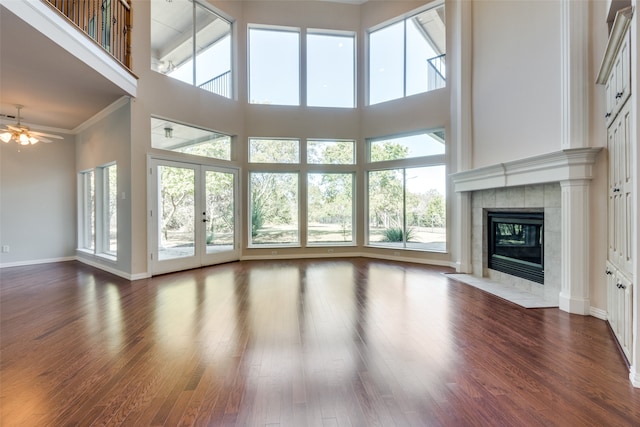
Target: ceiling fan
{"points": [[23, 135]]}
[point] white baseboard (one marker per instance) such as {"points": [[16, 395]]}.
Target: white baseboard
{"points": [[598, 313], [37, 261], [113, 271]]}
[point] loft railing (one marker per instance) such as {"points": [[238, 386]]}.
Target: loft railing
{"points": [[219, 85], [108, 22], [436, 72]]}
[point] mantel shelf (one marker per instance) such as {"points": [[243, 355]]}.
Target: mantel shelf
{"points": [[571, 164]]}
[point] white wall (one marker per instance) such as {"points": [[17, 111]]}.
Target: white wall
{"points": [[37, 201], [516, 80]]}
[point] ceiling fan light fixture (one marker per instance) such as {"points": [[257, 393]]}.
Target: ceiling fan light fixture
{"points": [[23, 135]]}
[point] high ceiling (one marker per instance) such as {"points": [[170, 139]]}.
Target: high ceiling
{"points": [[56, 89]]}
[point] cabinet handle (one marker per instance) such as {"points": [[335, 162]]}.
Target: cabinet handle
{"points": [[609, 272], [616, 190], [618, 95], [606, 116], [618, 285]]}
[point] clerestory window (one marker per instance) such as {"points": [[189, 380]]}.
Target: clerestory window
{"points": [[407, 57], [192, 43]]}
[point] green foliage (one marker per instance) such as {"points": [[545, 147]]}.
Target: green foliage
{"points": [[257, 217], [436, 214], [387, 150], [395, 234]]}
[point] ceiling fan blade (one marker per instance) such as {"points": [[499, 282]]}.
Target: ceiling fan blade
{"points": [[45, 140], [48, 135], [15, 128]]}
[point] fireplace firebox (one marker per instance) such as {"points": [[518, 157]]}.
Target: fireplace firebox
{"points": [[516, 244]]}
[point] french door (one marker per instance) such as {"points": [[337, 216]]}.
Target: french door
{"points": [[193, 215]]}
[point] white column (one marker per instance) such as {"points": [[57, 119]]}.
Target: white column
{"points": [[459, 61], [574, 293], [574, 79]]}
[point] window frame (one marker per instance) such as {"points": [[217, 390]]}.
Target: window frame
{"points": [[402, 18], [86, 210], [354, 58], [403, 164], [195, 4], [301, 80], [103, 245]]}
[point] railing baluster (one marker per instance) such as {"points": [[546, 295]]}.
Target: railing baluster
{"points": [[108, 22]]}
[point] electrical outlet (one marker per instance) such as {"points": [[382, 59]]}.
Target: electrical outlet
{"points": [[5, 249]]}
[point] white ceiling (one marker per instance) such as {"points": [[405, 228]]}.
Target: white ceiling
{"points": [[57, 90]]}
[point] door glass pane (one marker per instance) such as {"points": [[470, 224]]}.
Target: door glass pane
{"points": [[219, 213], [176, 189]]}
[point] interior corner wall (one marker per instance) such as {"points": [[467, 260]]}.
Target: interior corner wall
{"points": [[37, 202], [597, 132], [105, 141], [516, 100]]}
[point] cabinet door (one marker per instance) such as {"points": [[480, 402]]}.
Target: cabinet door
{"points": [[625, 315], [626, 190]]}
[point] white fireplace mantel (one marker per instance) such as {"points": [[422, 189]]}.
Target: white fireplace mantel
{"points": [[563, 165]]}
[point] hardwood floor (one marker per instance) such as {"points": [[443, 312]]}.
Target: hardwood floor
{"points": [[297, 343]]}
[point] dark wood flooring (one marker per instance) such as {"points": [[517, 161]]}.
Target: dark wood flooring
{"points": [[297, 343]]}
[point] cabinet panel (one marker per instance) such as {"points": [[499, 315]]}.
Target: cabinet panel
{"points": [[618, 85]]}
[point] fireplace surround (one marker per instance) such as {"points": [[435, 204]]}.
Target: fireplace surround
{"points": [[537, 199]]}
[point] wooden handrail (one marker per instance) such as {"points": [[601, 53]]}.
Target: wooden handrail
{"points": [[108, 22]]}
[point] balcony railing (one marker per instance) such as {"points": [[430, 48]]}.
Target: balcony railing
{"points": [[436, 72], [220, 85], [108, 22]]}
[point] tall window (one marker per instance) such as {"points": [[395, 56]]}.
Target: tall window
{"points": [[285, 171], [191, 43], [274, 193], [330, 70], [110, 209], [87, 210], [171, 136], [408, 56], [274, 208], [274, 66], [330, 184], [406, 184]]}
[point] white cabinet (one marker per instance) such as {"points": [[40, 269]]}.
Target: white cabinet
{"points": [[615, 74]]}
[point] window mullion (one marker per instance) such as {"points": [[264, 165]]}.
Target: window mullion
{"points": [[193, 44], [404, 55]]}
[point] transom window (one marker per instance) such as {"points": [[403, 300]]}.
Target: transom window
{"points": [[180, 138]]}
